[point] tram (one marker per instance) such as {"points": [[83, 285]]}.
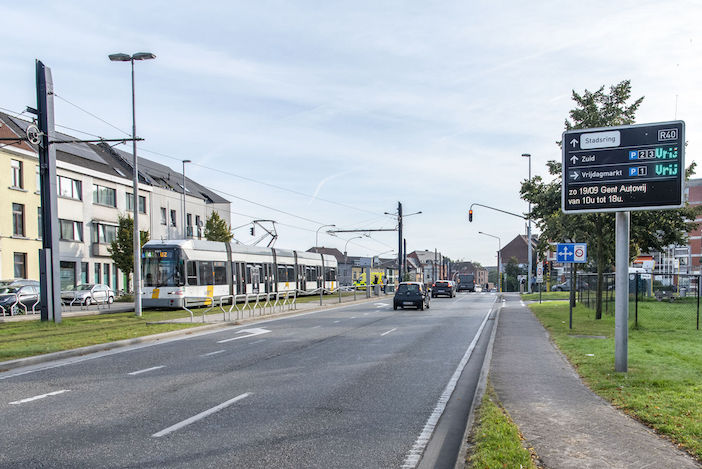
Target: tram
{"points": [[174, 270]]}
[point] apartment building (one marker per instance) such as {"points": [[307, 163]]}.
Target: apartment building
{"points": [[94, 188]]}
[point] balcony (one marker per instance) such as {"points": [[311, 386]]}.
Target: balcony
{"points": [[100, 250]]}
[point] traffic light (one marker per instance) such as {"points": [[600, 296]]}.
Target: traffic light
{"points": [[252, 231], [470, 215]]}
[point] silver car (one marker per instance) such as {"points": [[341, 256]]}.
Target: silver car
{"points": [[88, 294]]}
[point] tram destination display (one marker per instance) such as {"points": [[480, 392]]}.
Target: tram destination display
{"points": [[632, 167]]}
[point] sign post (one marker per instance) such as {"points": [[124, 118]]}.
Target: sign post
{"points": [[620, 169], [571, 253]]}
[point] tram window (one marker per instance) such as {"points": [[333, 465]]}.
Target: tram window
{"points": [[220, 273], [329, 274], [248, 273], [192, 273], [206, 276], [282, 274], [291, 273]]}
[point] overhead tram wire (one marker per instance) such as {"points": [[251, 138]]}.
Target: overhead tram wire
{"points": [[91, 114], [245, 178]]}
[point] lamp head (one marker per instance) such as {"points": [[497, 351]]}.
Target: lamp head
{"points": [[526, 155], [143, 56], [120, 57]]}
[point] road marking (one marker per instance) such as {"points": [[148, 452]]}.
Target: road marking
{"points": [[145, 370], [42, 396], [365, 314], [315, 327], [415, 454], [391, 330], [353, 317], [200, 416], [381, 305], [249, 333], [212, 353]]}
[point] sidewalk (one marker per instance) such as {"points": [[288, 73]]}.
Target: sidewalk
{"points": [[567, 424]]}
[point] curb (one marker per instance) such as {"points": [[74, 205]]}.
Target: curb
{"points": [[47, 357], [479, 392], [53, 356]]}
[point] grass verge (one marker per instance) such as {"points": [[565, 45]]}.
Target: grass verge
{"points": [[547, 295], [28, 338], [496, 440], [662, 388]]}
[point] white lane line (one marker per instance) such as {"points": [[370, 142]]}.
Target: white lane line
{"points": [[42, 396], [386, 333], [145, 370], [200, 416], [315, 327], [336, 322], [415, 454], [365, 314], [353, 317], [213, 353]]}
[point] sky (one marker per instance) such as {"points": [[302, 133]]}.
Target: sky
{"points": [[312, 113]]}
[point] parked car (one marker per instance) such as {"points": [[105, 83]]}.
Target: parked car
{"points": [[411, 294], [478, 288], [19, 297], [88, 294], [565, 286], [443, 287]]}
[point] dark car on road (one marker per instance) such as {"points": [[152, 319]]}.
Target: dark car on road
{"points": [[465, 282], [412, 294], [443, 287], [19, 297]]}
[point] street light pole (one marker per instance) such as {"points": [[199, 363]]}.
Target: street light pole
{"points": [[316, 236], [137, 238], [529, 248], [185, 233], [499, 259]]}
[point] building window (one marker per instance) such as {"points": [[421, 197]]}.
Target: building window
{"points": [[38, 180], [104, 196], [198, 226], [173, 218], [17, 220], [106, 274], [83, 273], [130, 203], [104, 234], [67, 274], [20, 265], [163, 216], [70, 188], [97, 272], [189, 225], [16, 168], [71, 230]]}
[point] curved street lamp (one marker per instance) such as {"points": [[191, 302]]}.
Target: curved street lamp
{"points": [[316, 236], [499, 259]]}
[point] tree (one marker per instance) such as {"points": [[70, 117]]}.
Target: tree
{"points": [[216, 229], [650, 230], [121, 249]]}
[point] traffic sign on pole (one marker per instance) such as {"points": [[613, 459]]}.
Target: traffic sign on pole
{"points": [[571, 253], [631, 167]]}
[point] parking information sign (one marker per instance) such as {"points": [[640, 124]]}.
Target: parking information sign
{"points": [[632, 167], [571, 252]]}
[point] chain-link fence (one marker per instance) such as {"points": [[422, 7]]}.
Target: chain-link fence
{"points": [[656, 301]]}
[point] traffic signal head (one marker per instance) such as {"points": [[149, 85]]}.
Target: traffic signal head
{"points": [[252, 231], [470, 215]]}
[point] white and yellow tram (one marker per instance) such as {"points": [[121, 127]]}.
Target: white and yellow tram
{"points": [[177, 269]]}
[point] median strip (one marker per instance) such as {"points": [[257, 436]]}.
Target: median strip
{"points": [[200, 416]]}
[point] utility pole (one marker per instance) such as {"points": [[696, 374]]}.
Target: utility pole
{"points": [[400, 256], [50, 286]]}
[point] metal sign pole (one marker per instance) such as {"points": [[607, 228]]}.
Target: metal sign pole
{"points": [[621, 289]]}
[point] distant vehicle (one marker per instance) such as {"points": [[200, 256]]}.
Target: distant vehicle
{"points": [[443, 287], [411, 294], [88, 294], [478, 288], [17, 282], [465, 282], [376, 276], [19, 299]]}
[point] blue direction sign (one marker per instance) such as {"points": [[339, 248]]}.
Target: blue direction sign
{"points": [[631, 167], [571, 253]]}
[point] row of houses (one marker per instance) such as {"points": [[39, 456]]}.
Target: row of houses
{"points": [[94, 188], [420, 266]]}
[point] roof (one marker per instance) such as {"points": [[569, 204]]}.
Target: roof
{"points": [[518, 248], [114, 162], [426, 256]]}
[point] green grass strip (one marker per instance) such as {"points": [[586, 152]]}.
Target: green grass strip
{"points": [[28, 338], [547, 295], [663, 387], [496, 440]]}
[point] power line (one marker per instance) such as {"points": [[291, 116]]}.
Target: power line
{"points": [[91, 114]]}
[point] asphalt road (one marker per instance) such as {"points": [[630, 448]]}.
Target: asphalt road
{"points": [[357, 386]]}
